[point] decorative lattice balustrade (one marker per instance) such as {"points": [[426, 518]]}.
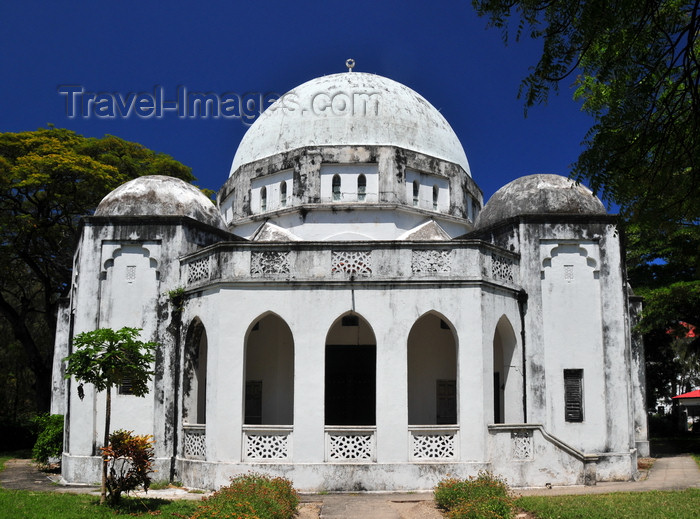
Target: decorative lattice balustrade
{"points": [[319, 263], [195, 447], [351, 444], [431, 261], [263, 443], [433, 442], [502, 268], [198, 270], [354, 263], [269, 263], [522, 445]]}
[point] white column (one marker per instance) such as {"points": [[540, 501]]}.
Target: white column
{"points": [[309, 328], [391, 331]]}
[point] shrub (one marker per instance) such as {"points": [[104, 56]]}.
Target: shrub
{"points": [[129, 463], [49, 442], [251, 496], [484, 496]]}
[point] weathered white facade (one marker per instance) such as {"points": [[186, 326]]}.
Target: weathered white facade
{"points": [[350, 321]]}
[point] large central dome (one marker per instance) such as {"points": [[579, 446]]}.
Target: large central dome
{"points": [[351, 108]]}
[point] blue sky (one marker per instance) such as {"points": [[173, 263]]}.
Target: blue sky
{"points": [[441, 49]]}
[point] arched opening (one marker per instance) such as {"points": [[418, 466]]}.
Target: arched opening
{"points": [[263, 198], [269, 373], [283, 194], [361, 188], [195, 380], [432, 372], [351, 368], [336, 187], [435, 197], [416, 190], [505, 381]]}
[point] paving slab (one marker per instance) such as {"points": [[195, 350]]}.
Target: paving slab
{"points": [[673, 472]]}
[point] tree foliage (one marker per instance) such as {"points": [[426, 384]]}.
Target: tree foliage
{"points": [[664, 268], [106, 358], [635, 65], [49, 441], [49, 179]]}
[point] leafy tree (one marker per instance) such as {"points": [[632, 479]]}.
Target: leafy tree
{"points": [[49, 442], [636, 68], [664, 268], [49, 179], [105, 358]]}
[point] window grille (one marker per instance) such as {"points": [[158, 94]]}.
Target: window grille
{"points": [[573, 395]]}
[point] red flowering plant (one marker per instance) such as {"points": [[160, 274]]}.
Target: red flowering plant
{"points": [[129, 459]]}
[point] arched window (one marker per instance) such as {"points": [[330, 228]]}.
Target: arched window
{"points": [[416, 188], [263, 198], [432, 372], [361, 188], [435, 198], [507, 384], [283, 193], [336, 187], [269, 386], [195, 380], [351, 372]]}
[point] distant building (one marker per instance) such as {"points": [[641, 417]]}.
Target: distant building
{"points": [[352, 319]]}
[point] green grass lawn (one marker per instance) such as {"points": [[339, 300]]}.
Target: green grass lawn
{"points": [[681, 504], [50, 505]]}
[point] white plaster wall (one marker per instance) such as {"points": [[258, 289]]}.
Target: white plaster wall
{"points": [[366, 223], [349, 173], [128, 298], [227, 207], [310, 314], [273, 184], [571, 309], [425, 191]]}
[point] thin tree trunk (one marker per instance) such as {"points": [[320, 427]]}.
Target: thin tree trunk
{"points": [[108, 412]]}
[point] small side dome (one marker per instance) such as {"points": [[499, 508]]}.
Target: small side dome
{"points": [[539, 194], [157, 195]]}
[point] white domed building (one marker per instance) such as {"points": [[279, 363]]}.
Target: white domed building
{"points": [[351, 319]]}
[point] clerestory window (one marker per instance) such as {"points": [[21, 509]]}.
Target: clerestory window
{"points": [[336, 187], [361, 188], [283, 194]]}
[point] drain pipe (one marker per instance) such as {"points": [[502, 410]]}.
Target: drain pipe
{"points": [[522, 309]]}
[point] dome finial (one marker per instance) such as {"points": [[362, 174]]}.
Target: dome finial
{"points": [[350, 63]]}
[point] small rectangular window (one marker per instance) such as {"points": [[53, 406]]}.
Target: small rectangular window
{"points": [[446, 393], [253, 402], [126, 387], [573, 395]]}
